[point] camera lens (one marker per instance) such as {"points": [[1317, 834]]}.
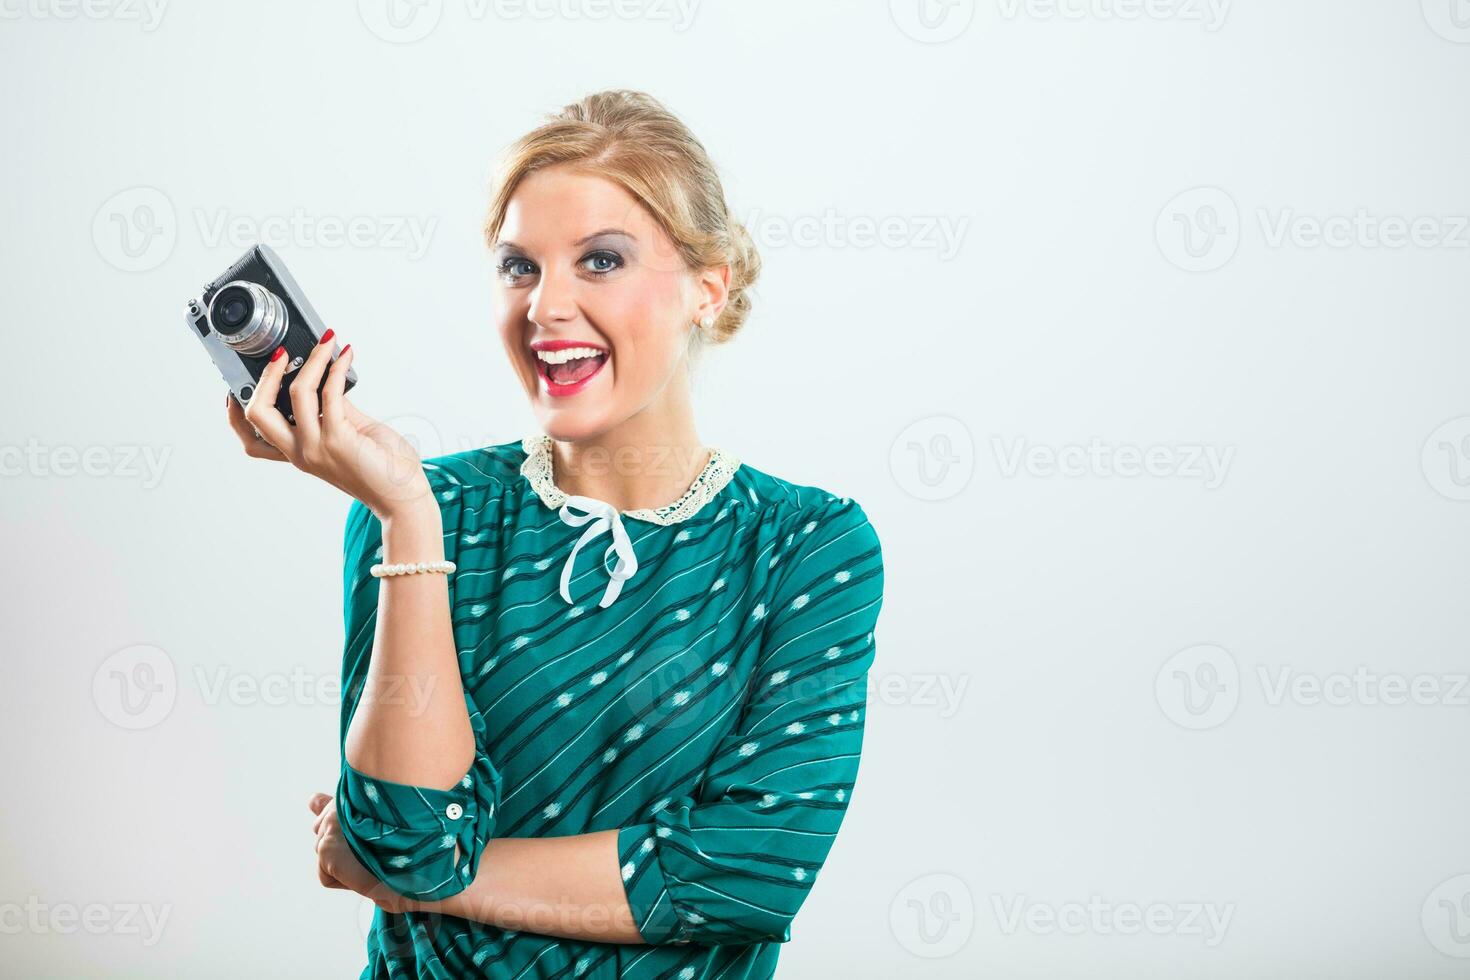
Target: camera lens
{"points": [[232, 309], [249, 318]]}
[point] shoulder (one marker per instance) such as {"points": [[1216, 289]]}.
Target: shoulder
{"points": [[803, 509], [818, 532], [826, 578], [765, 491], [494, 468], [497, 466]]}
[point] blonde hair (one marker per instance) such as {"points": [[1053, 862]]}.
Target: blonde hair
{"points": [[629, 138]]}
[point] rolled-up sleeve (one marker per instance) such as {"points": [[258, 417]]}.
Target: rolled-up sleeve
{"points": [[422, 842], [734, 862]]}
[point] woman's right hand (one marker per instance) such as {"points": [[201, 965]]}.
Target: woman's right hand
{"points": [[334, 442]]}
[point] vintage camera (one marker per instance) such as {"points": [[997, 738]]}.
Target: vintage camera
{"points": [[245, 314]]}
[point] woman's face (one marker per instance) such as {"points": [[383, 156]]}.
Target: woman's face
{"points": [[580, 263]]}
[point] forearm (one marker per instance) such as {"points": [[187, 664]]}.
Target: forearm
{"points": [[569, 887], [410, 724]]}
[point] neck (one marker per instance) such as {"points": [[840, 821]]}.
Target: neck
{"points": [[648, 461]]}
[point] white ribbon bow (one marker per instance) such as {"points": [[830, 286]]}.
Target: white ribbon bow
{"points": [[603, 516]]}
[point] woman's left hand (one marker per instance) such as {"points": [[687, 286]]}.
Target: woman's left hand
{"points": [[338, 867]]}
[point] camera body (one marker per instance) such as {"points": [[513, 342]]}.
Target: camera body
{"points": [[249, 311]]}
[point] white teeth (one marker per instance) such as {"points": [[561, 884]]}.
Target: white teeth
{"points": [[569, 354]]}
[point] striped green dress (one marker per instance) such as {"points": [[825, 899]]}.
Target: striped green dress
{"points": [[692, 675]]}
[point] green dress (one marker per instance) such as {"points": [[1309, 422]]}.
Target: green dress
{"points": [[694, 675]]}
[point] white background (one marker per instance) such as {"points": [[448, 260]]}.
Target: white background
{"points": [[1079, 692]]}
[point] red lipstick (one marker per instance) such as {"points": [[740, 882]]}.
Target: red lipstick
{"points": [[555, 389]]}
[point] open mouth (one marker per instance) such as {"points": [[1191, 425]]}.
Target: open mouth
{"points": [[568, 370]]}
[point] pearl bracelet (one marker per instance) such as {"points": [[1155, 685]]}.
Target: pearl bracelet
{"points": [[411, 568]]}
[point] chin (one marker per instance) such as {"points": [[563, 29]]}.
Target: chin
{"points": [[570, 425]]}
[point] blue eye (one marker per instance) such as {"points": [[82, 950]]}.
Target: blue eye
{"points": [[510, 264], [613, 259]]}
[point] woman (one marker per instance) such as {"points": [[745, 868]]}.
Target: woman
{"points": [[617, 737]]}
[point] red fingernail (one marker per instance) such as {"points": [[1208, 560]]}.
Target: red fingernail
{"points": [[345, 350], [280, 353], [327, 336]]}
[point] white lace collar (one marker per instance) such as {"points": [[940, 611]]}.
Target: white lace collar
{"points": [[537, 469]]}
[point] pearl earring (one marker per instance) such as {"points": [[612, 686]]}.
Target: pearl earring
{"points": [[707, 323]]}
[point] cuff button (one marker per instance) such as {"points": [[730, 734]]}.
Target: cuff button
{"points": [[454, 811]]}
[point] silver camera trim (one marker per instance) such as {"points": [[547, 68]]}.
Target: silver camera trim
{"points": [[266, 327]]}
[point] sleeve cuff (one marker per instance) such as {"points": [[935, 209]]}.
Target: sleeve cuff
{"points": [[646, 888], [406, 835]]}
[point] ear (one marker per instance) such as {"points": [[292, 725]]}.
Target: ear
{"points": [[712, 285]]}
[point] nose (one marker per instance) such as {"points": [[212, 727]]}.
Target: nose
{"points": [[553, 300]]}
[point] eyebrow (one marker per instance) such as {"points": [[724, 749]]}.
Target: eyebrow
{"points": [[506, 243]]}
